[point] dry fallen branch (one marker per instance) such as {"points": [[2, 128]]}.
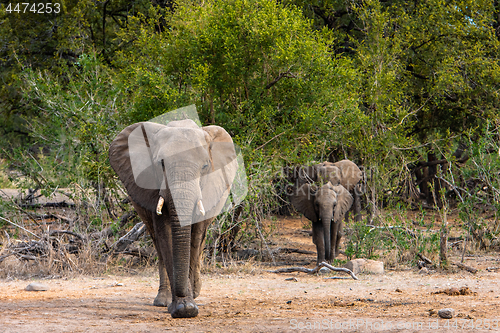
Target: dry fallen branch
{"points": [[139, 252], [67, 232], [50, 216], [60, 204], [336, 278], [131, 236], [424, 258], [315, 269], [465, 267], [293, 250], [6, 256], [16, 225]]}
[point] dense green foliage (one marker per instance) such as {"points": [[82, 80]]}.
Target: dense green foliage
{"points": [[385, 83]]}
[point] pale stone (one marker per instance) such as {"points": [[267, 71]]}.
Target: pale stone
{"points": [[365, 266], [35, 286]]}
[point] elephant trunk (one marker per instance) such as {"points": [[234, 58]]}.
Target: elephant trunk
{"points": [[326, 230], [182, 202]]}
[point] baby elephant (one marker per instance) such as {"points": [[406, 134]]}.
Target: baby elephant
{"points": [[325, 207]]}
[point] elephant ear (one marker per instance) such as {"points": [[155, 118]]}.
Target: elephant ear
{"points": [[303, 201], [344, 202], [130, 157], [224, 165]]}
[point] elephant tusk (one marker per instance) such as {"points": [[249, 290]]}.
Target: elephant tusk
{"points": [[201, 208], [159, 206]]}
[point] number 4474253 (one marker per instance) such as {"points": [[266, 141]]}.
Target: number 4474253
{"points": [[36, 8]]}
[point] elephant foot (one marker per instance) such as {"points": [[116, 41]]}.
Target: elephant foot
{"points": [[183, 307], [164, 298]]}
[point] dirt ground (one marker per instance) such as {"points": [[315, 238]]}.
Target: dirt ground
{"points": [[245, 297]]}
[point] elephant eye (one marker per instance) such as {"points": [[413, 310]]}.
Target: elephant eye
{"points": [[205, 166]]}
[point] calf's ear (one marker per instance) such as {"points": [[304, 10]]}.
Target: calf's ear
{"points": [[303, 201], [344, 202]]}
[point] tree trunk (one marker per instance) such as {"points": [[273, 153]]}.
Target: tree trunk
{"points": [[443, 244]]}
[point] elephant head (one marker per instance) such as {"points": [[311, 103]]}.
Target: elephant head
{"points": [[350, 173], [180, 174], [325, 207], [193, 167]]}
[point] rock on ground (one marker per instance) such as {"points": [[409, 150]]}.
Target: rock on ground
{"points": [[35, 286], [446, 313], [365, 266]]}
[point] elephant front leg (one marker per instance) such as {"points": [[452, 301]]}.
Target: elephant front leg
{"points": [[183, 304], [198, 233], [319, 240]]}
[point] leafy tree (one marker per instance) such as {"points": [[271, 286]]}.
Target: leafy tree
{"points": [[434, 61], [78, 118], [255, 67], [52, 41]]}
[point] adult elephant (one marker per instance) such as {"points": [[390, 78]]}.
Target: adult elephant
{"points": [[326, 207], [178, 177], [344, 172]]}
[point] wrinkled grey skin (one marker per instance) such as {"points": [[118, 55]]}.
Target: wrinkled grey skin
{"points": [[325, 207], [345, 173], [183, 175]]}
